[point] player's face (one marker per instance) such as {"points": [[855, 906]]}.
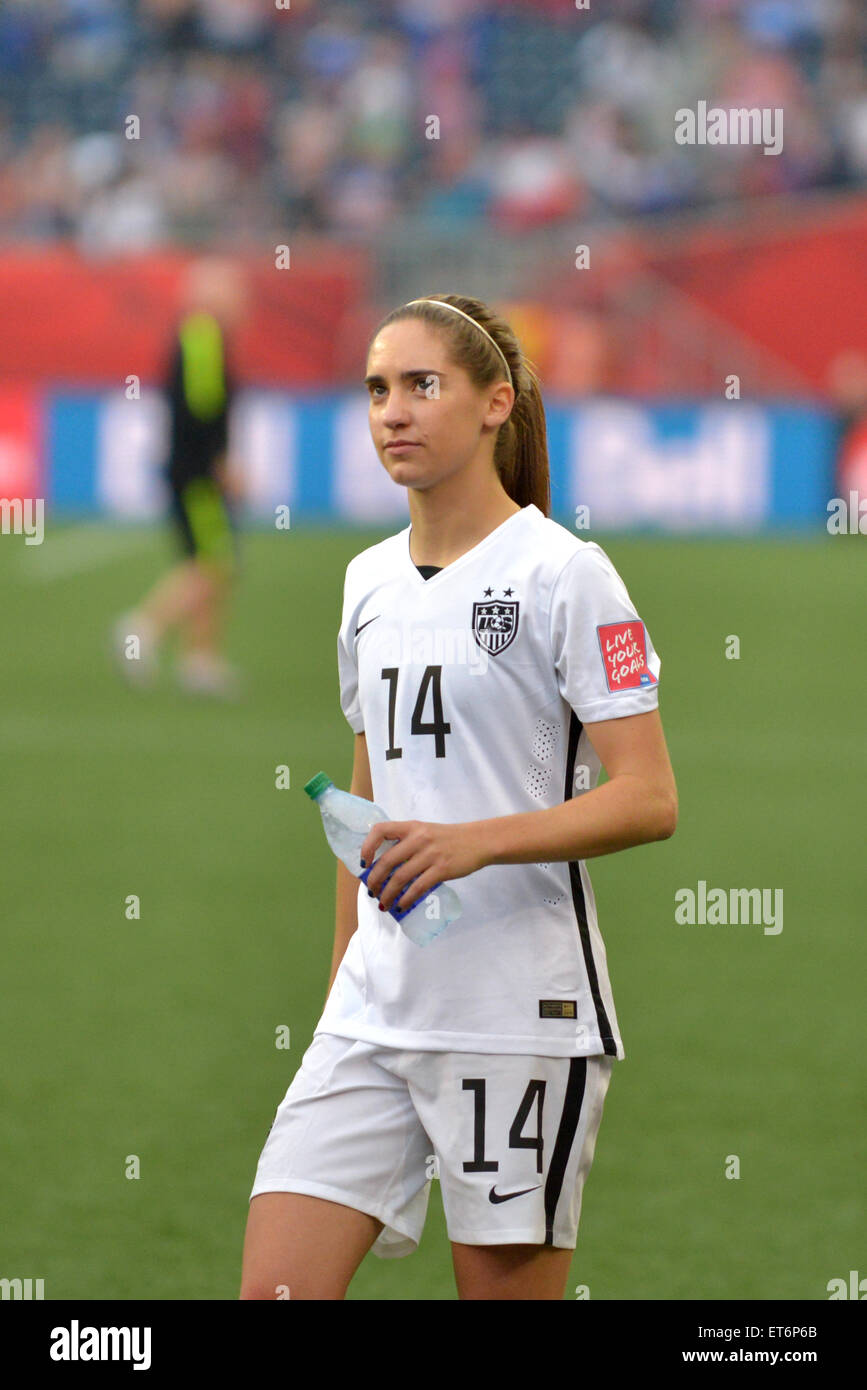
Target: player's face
{"points": [[418, 395]]}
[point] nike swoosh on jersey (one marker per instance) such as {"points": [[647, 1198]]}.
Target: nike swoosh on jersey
{"points": [[495, 1196], [364, 625]]}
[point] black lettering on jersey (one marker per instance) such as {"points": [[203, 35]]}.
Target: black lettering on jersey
{"points": [[439, 728], [432, 677], [390, 674]]}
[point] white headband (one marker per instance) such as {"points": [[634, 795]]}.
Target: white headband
{"points": [[445, 305]]}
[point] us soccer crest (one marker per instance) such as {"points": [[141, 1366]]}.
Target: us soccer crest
{"points": [[495, 622]]}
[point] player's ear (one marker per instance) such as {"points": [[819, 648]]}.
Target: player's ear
{"points": [[500, 401]]}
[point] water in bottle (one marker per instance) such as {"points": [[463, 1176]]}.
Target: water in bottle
{"points": [[346, 820]]}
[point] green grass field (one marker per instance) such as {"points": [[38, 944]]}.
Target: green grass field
{"points": [[155, 1037]]}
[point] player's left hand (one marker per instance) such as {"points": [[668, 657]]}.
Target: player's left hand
{"points": [[428, 852]]}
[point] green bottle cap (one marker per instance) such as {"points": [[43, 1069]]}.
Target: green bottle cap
{"points": [[316, 786]]}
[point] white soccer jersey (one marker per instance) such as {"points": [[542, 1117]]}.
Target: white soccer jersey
{"points": [[472, 688]]}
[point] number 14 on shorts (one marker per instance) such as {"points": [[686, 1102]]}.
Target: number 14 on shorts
{"points": [[533, 1099], [527, 1127]]}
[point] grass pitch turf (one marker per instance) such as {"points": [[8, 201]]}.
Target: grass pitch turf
{"points": [[155, 1037]]}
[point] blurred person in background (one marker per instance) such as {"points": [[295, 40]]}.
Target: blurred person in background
{"points": [[204, 491], [847, 380]]}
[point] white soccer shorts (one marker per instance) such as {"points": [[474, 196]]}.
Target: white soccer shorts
{"points": [[510, 1138]]}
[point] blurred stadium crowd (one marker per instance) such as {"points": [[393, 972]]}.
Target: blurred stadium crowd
{"points": [[256, 120]]}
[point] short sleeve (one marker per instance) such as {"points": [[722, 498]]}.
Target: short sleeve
{"points": [[347, 669], [605, 661]]}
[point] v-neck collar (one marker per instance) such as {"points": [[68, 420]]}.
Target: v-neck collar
{"points": [[467, 555]]}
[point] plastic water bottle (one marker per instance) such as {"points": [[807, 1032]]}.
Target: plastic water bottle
{"points": [[346, 820]]}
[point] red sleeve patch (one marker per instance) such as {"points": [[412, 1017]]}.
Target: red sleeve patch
{"points": [[624, 653]]}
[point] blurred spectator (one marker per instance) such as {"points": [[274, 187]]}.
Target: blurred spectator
{"points": [[239, 26], [124, 216], [258, 121], [532, 183]]}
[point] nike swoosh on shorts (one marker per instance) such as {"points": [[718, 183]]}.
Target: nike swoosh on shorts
{"points": [[495, 1196]]}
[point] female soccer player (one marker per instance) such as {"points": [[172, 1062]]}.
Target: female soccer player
{"points": [[490, 662]]}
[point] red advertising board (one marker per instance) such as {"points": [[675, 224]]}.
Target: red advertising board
{"points": [[91, 324], [20, 443]]}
